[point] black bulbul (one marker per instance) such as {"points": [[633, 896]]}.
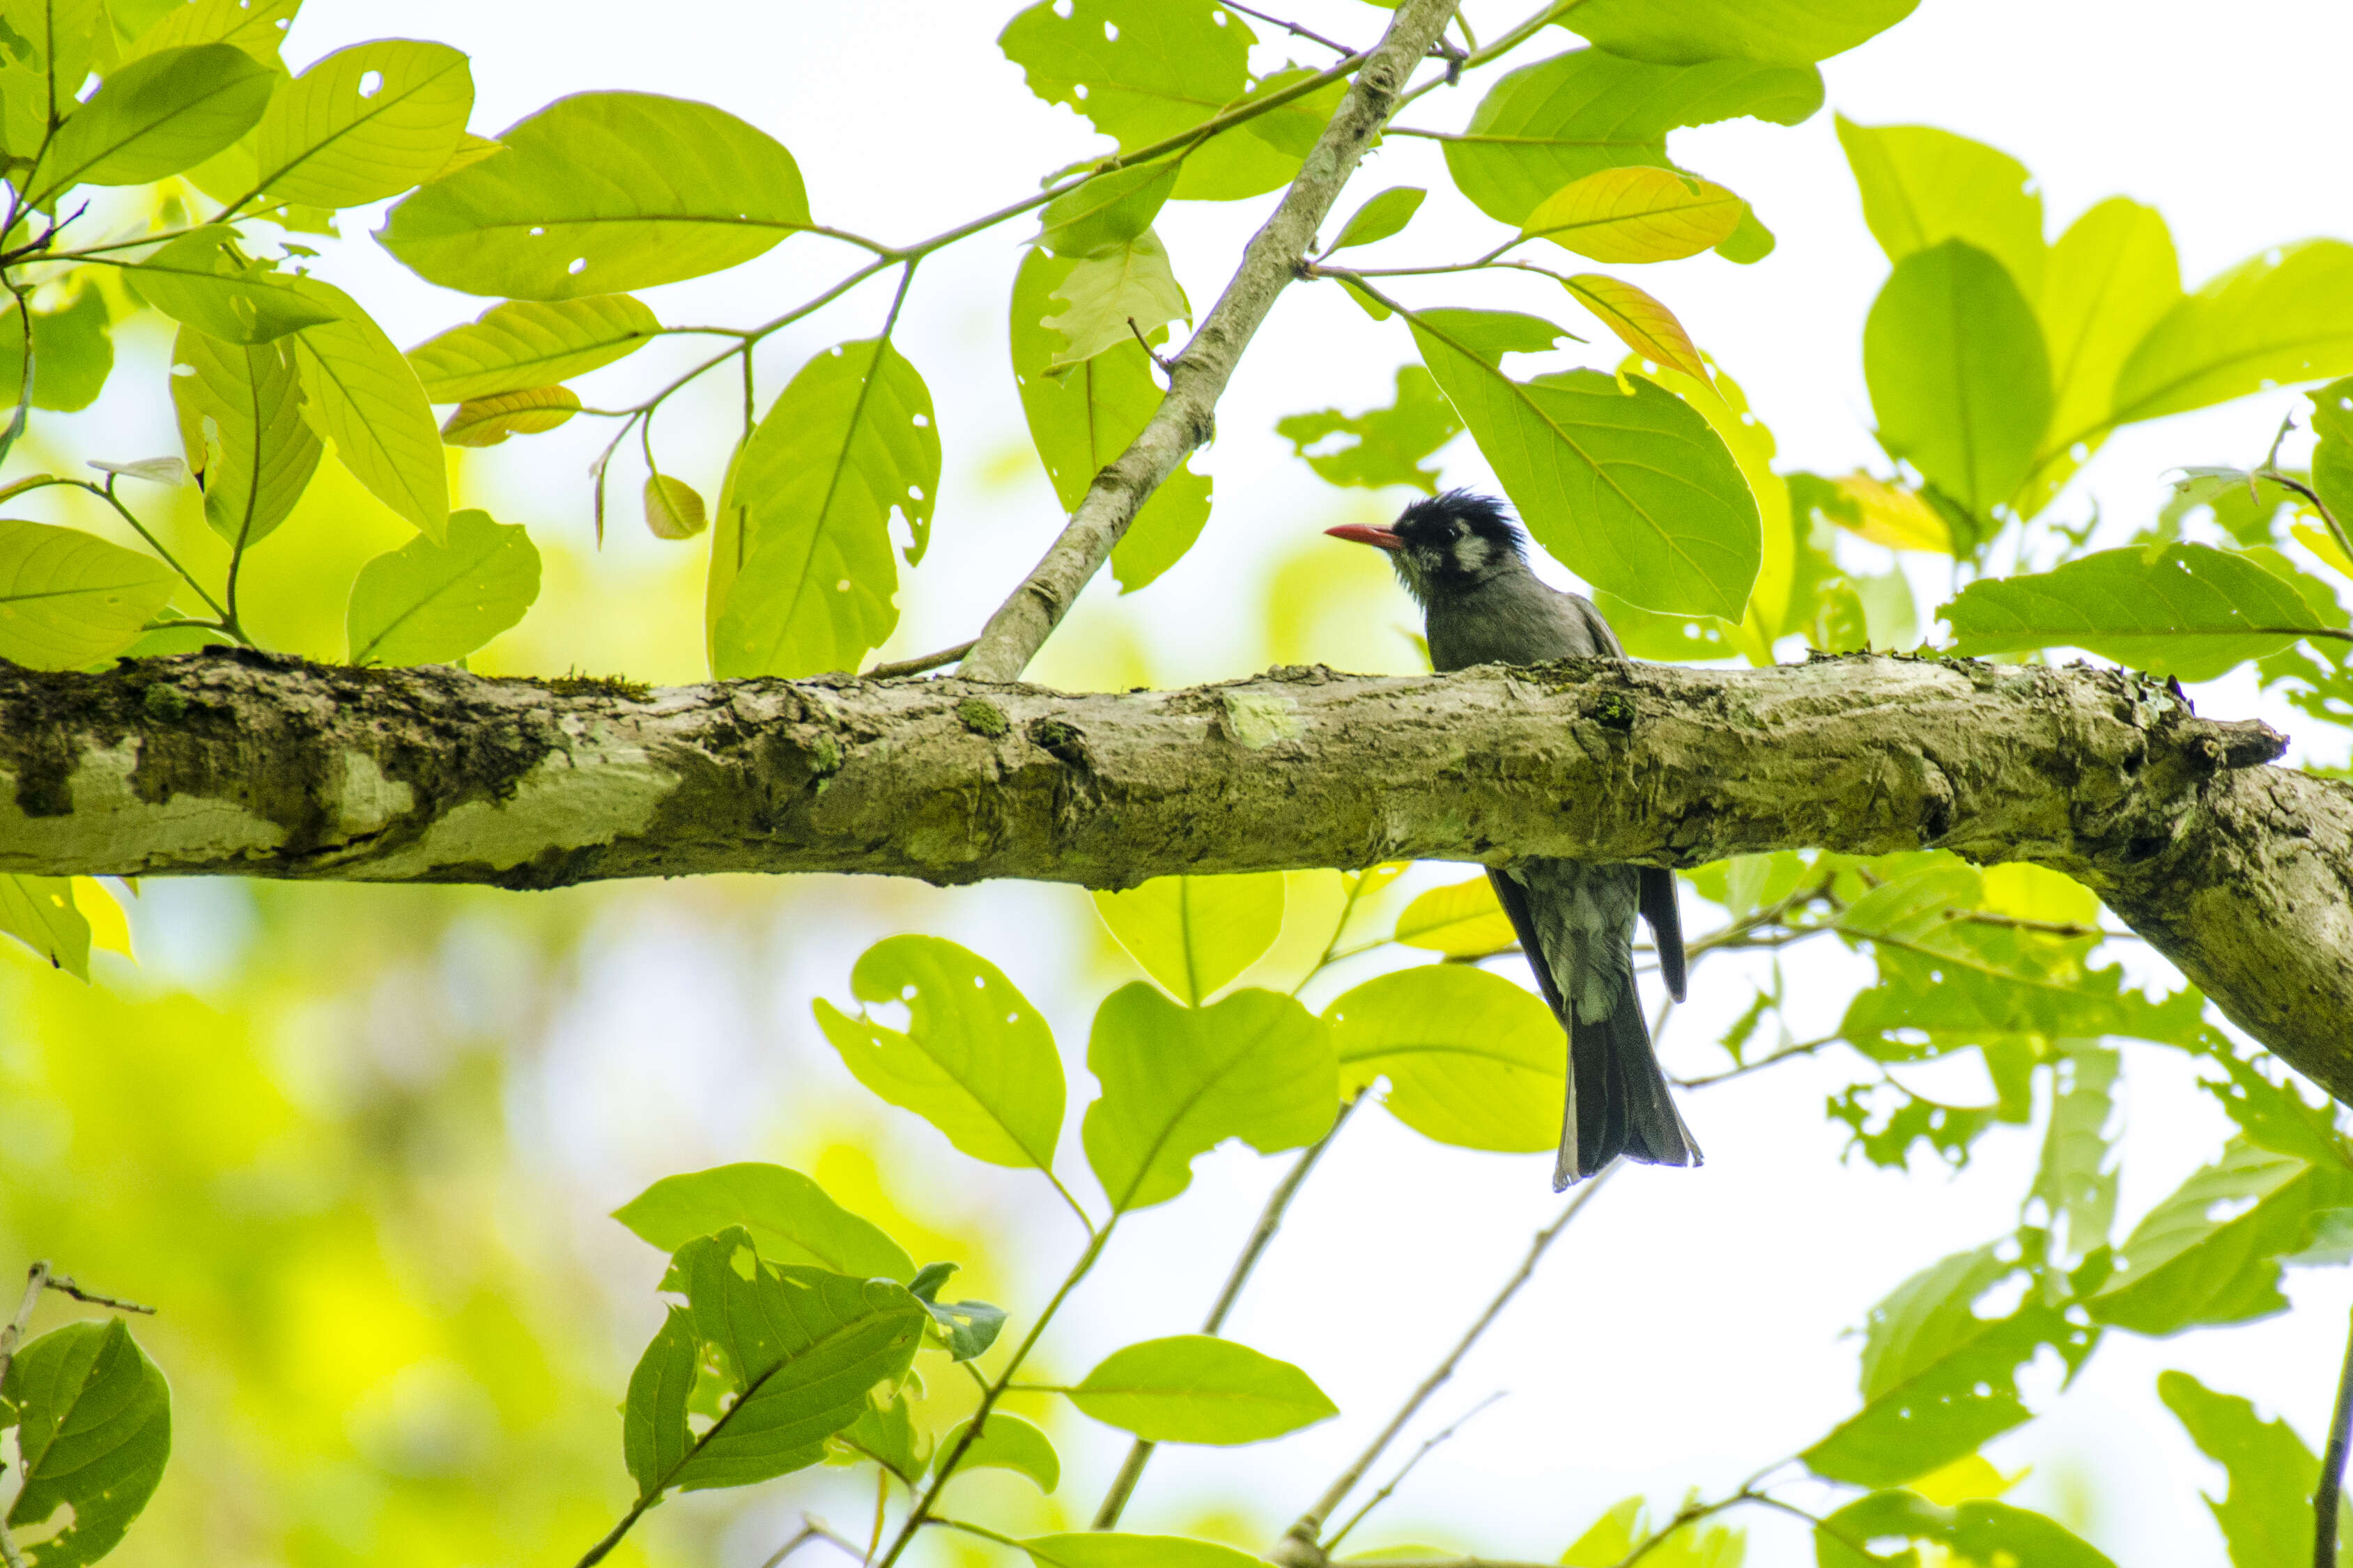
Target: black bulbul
{"points": [[1460, 556]]}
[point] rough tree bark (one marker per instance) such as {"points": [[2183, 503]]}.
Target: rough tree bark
{"points": [[251, 765]]}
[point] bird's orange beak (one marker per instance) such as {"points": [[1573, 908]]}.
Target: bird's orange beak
{"points": [[1380, 538]]}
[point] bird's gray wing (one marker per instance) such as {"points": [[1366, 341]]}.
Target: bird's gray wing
{"points": [[1665, 916], [1514, 900]]}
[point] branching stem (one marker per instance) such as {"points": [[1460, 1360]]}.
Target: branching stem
{"points": [[2327, 1504]]}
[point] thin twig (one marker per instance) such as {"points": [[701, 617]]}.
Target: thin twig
{"points": [[1291, 28], [1760, 1064], [1406, 1470], [812, 1529], [2326, 1496], [1302, 1543], [1154, 355], [904, 668], [1270, 1220], [37, 1279], [64, 1286]]}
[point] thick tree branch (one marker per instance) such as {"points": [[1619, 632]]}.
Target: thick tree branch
{"points": [[241, 764], [1196, 377]]}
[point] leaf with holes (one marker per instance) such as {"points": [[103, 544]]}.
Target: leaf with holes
{"points": [[1472, 1060], [1958, 377], [1142, 71], [2284, 316], [1388, 446], [1545, 125], [1178, 1081], [976, 1060], [1978, 1531], [202, 280], [359, 393], [365, 124], [603, 192], [1786, 31], [2266, 1516], [154, 117], [1110, 297], [69, 598], [1631, 489], [93, 1434], [791, 1219], [1641, 322], [40, 912], [428, 603], [2185, 610], [801, 575], [240, 416], [1636, 214], [525, 343], [1086, 415], [1194, 1388], [1194, 934], [487, 421]]}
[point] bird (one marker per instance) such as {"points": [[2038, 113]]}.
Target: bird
{"points": [[1460, 556]]}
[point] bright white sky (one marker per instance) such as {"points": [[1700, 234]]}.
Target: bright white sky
{"points": [[1686, 1332]]}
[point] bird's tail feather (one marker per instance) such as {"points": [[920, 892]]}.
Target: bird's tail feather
{"points": [[1618, 1102]]}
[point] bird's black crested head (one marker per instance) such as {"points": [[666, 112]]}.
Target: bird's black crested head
{"points": [[1454, 540]]}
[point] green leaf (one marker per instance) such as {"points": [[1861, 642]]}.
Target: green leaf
{"points": [[203, 280], [1636, 214], [1461, 920], [434, 604], [1194, 934], [1607, 1541], [1111, 296], [1922, 187], [487, 421], [2185, 610], [240, 416], [600, 193], [801, 575], [68, 40], [789, 1217], [1978, 1533], [69, 598], [654, 1436], [152, 117], [1178, 1081], [1008, 1443], [359, 393], [2109, 280], [1785, 32], [2266, 1515], [2210, 1252], [1557, 121], [1106, 1549], [1108, 211], [1266, 152], [886, 1432], [1938, 1380], [1387, 446], [73, 354], [1629, 489], [257, 26], [1194, 1388], [363, 123], [971, 1327], [1472, 1060], [94, 1430], [2332, 455], [39, 911], [800, 1348], [1142, 71], [2077, 1181], [523, 343], [1958, 375], [673, 508], [1383, 216], [2284, 316], [976, 1061], [1086, 415]]}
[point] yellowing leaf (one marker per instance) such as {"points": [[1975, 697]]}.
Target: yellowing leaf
{"points": [[673, 509], [1890, 515], [524, 343], [487, 421], [1641, 322], [363, 123], [2314, 539], [1636, 215], [1110, 297], [110, 927], [1462, 919]]}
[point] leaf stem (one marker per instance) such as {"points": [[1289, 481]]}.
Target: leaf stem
{"points": [[2327, 1496], [1302, 1543], [106, 493], [2287, 482], [1270, 1220], [1406, 1470]]}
